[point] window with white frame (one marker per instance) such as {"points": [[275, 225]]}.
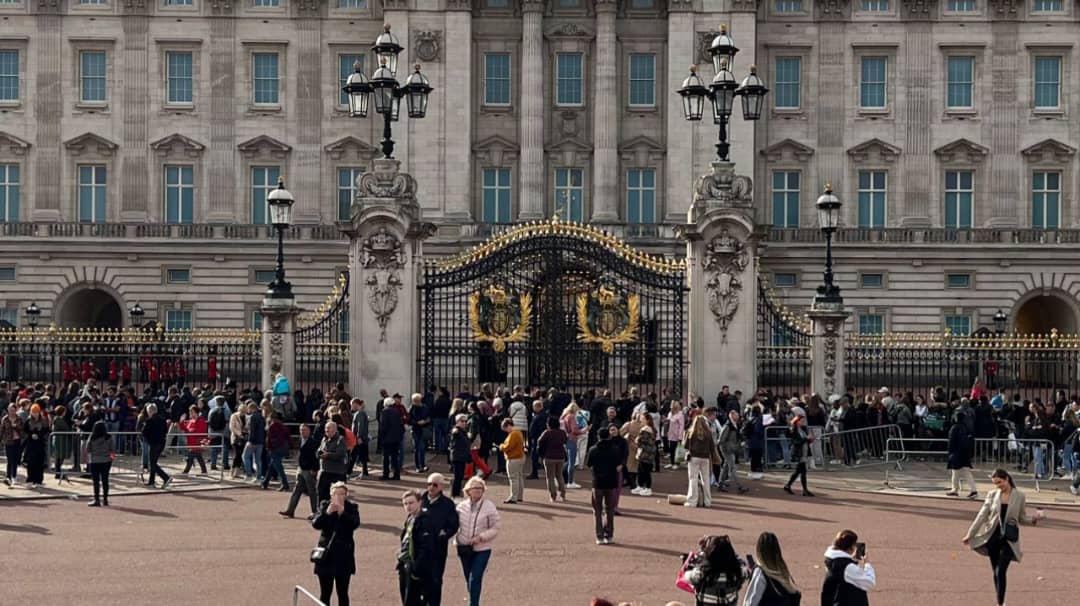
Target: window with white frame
{"points": [[871, 324], [785, 198], [497, 79], [179, 77], [785, 280], [788, 6], [961, 82], [958, 280], [264, 78], [1046, 6], [178, 275], [871, 280], [92, 191], [569, 3], [9, 75], [569, 77], [352, 3], [179, 193], [92, 76], [7, 273], [959, 326], [178, 319], [346, 67], [570, 194], [495, 196], [497, 3], [959, 198], [872, 82], [346, 190], [178, 2], [872, 198], [788, 82], [9, 193], [641, 195], [98, 2], [1047, 82], [642, 80], [960, 6], [267, 3], [874, 6], [1045, 199], [265, 276], [263, 180], [641, 4]]}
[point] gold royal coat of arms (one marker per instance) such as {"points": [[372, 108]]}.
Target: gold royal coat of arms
{"points": [[499, 315], [607, 317]]}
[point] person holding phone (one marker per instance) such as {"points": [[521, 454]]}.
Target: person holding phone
{"points": [[771, 583], [337, 520], [848, 574], [995, 533]]}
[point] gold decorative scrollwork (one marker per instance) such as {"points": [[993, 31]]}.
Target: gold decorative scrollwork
{"points": [[499, 315], [606, 317]]}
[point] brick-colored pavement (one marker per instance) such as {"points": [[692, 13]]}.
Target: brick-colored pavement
{"points": [[231, 547]]}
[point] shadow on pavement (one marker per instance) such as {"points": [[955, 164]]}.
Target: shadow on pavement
{"points": [[27, 528], [142, 512]]}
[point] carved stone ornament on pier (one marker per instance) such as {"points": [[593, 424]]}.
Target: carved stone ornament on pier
{"points": [[386, 181], [725, 261], [384, 257], [723, 186], [831, 334], [427, 45]]}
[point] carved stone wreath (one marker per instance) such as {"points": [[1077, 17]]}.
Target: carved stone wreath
{"points": [[725, 260], [428, 45], [383, 257]]}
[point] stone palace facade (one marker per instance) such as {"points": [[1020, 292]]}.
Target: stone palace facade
{"points": [[139, 138]]}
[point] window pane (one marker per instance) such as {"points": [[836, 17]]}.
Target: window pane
{"points": [[872, 83], [643, 79], [788, 74], [9, 75], [497, 79], [1047, 81], [641, 195], [788, 6], [263, 179], [496, 195], [265, 74], [569, 77], [347, 191], [961, 75], [92, 74], [178, 68], [9, 193]]}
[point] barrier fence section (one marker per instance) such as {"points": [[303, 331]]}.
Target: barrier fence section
{"points": [[299, 591], [1035, 365], [848, 449], [1036, 457], [132, 454]]}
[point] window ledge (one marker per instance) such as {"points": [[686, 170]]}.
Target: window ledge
{"points": [[186, 108], [788, 112], [264, 109], [10, 105], [642, 109], [91, 108], [496, 109], [1050, 112]]}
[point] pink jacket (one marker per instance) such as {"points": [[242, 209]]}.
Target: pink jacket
{"points": [[482, 523], [569, 425], [676, 426]]}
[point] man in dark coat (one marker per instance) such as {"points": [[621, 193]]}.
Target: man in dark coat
{"points": [[536, 427], [337, 520], [961, 449], [391, 434], [416, 552], [154, 432], [443, 517], [606, 465]]}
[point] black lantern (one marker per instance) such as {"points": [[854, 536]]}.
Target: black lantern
{"points": [[136, 313], [280, 202], [828, 206], [387, 49], [752, 90], [384, 85], [722, 49], [358, 90], [33, 315], [417, 90], [723, 88], [1000, 322], [693, 92]]}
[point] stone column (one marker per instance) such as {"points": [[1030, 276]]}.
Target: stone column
{"points": [[721, 251], [827, 348], [48, 112], [221, 166], [278, 339], [457, 113], [385, 261], [605, 106], [533, 94], [679, 160], [134, 165]]}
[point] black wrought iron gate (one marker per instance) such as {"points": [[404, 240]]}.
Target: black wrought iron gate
{"points": [[554, 304]]}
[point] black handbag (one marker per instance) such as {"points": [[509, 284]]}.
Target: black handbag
{"points": [[1011, 531], [467, 551], [319, 552]]}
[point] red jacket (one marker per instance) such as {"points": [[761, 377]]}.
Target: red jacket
{"points": [[196, 430], [277, 437]]}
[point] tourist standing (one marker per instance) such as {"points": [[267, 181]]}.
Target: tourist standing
{"points": [[961, 449], [552, 446], [728, 444], [337, 519], [277, 442], [35, 446], [253, 450], [995, 533], [513, 449], [676, 428], [754, 432], [645, 455], [537, 427], [569, 423], [800, 447], [478, 525], [11, 434], [416, 549], [848, 574], [62, 442], [308, 468], [605, 459], [771, 583], [332, 454], [238, 436], [618, 443], [100, 456], [420, 418], [460, 455], [391, 435], [630, 431], [443, 520], [700, 453], [154, 432], [195, 428], [360, 429]]}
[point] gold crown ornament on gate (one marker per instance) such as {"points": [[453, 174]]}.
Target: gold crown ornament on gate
{"points": [[499, 315], [607, 317]]}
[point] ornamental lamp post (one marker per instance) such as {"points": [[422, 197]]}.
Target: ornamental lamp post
{"points": [[137, 314], [828, 207], [33, 314], [280, 202], [358, 89], [1000, 322]]}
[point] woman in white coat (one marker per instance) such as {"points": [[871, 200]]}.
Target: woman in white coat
{"points": [[995, 531]]}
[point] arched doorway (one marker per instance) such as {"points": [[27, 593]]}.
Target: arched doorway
{"points": [[1043, 312], [89, 308]]}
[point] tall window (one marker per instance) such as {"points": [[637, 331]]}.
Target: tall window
{"points": [[179, 193], [785, 198], [959, 326], [788, 6], [9, 75], [875, 6], [1041, 6], [257, 320], [960, 6], [346, 191], [570, 194], [872, 82], [92, 76], [9, 193], [1045, 199], [346, 69], [871, 324], [959, 194], [177, 319], [872, 195], [641, 195], [643, 79], [497, 79], [265, 78], [92, 190], [1047, 82], [178, 74], [263, 180], [961, 81], [568, 79], [788, 75], [496, 196]]}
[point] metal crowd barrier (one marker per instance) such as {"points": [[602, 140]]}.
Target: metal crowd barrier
{"points": [[300, 591], [851, 448], [129, 451], [989, 454]]}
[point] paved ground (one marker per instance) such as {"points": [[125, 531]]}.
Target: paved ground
{"points": [[230, 547]]}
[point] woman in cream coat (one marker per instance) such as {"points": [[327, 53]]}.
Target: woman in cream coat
{"points": [[1004, 504]]}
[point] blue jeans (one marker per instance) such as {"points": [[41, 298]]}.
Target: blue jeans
{"points": [[474, 567], [1067, 460], [253, 460], [1039, 454], [571, 456], [145, 453], [221, 449], [277, 467], [419, 449], [442, 437]]}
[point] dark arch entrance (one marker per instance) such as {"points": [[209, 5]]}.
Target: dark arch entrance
{"points": [[1042, 313], [91, 308]]}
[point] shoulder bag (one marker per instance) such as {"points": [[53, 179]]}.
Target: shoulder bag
{"points": [[1011, 531], [319, 552], [466, 551]]}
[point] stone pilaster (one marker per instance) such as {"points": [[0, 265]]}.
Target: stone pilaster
{"points": [[221, 165], [722, 250], [278, 339], [831, 114], [827, 349], [458, 113], [1006, 176], [386, 235], [532, 111], [307, 153], [135, 97], [916, 163], [605, 117], [48, 109], [679, 161]]}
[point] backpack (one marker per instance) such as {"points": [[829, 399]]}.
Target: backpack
{"points": [[217, 419]]}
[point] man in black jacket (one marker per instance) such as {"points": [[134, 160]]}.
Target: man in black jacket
{"points": [[391, 433], [308, 462], [443, 518], [597, 410], [537, 427], [416, 553], [154, 432], [605, 462]]}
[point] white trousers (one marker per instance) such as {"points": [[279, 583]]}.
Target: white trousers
{"points": [[697, 471]]}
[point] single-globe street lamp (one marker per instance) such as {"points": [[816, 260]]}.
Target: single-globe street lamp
{"points": [[386, 89], [33, 315], [280, 202], [1000, 322], [722, 91], [136, 313], [828, 207]]}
